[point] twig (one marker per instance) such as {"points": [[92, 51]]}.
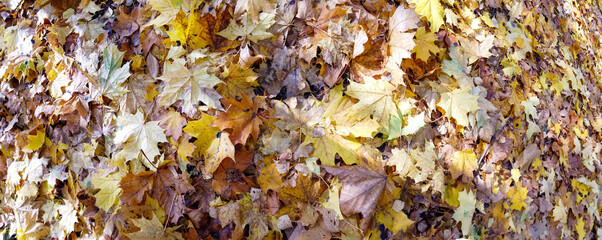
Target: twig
{"points": [[148, 159], [491, 141]]}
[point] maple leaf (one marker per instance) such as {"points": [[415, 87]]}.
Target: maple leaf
{"points": [[68, 219], [477, 49], [35, 142], [337, 111], [169, 9], [109, 192], [244, 212], [401, 45], [221, 147], [169, 189], [186, 30], [242, 117], [127, 24], [417, 164], [400, 42], [201, 130], [191, 87], [295, 113], [393, 220], [165, 185], [134, 98], [464, 213], [362, 187], [579, 228], [333, 198], [254, 31], [253, 216], [35, 167], [137, 135], [518, 196], [426, 44], [28, 227], [432, 10], [327, 144], [269, 178], [253, 7], [457, 104], [403, 20], [304, 191], [113, 75], [375, 99], [414, 124], [463, 163], [153, 229], [135, 186], [458, 67], [238, 81], [173, 122]]}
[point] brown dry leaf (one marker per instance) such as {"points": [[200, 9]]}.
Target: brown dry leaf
{"points": [[305, 192], [135, 186], [362, 188], [242, 117]]}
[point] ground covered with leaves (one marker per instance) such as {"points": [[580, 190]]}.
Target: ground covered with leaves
{"points": [[300, 119]]}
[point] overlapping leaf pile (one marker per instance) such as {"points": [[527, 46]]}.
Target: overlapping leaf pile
{"points": [[187, 119]]}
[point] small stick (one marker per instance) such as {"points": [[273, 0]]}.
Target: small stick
{"points": [[148, 159], [491, 141]]}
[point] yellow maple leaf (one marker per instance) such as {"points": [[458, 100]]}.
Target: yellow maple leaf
{"points": [[580, 228], [252, 30], [393, 220], [463, 163], [465, 211], [425, 44], [136, 135], [457, 104], [432, 10], [518, 196], [269, 178], [169, 9], [109, 193], [238, 81], [201, 130], [560, 213], [36, 141], [221, 147], [188, 30], [191, 87], [417, 164], [375, 99], [400, 42], [333, 198], [153, 229], [475, 49], [327, 144]]}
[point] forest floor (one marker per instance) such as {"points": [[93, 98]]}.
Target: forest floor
{"points": [[299, 119]]}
